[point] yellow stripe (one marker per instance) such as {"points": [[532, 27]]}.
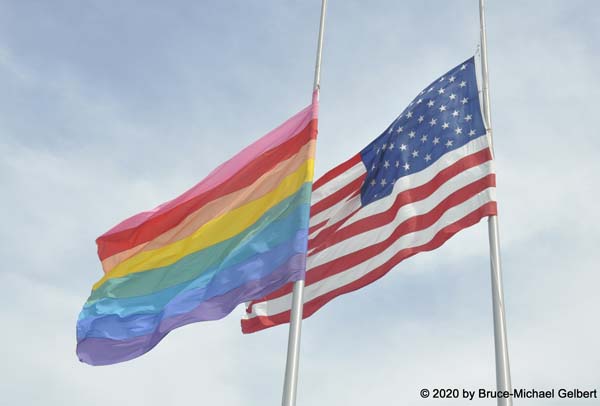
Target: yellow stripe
{"points": [[215, 231]]}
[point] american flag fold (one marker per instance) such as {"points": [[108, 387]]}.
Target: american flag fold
{"points": [[429, 175]]}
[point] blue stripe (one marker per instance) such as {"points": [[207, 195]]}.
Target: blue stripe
{"points": [[225, 279]]}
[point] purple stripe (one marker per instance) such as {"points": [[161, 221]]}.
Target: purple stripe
{"points": [[104, 351]]}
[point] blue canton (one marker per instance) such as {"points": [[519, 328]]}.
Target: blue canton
{"points": [[443, 117]]}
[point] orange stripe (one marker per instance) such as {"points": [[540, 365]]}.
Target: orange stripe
{"points": [[264, 184]]}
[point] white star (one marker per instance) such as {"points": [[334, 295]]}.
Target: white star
{"points": [[419, 101], [430, 89], [402, 147], [445, 125], [442, 79], [421, 118], [406, 166], [433, 122], [415, 153], [397, 164], [411, 134], [452, 79], [436, 140], [391, 129], [373, 167], [449, 143], [386, 164], [383, 182], [441, 91], [458, 131], [384, 146], [442, 108], [464, 100], [424, 138], [427, 158], [430, 103], [391, 146], [468, 117], [463, 67], [400, 129], [463, 83], [455, 113], [452, 96], [471, 133], [409, 114], [373, 182]]}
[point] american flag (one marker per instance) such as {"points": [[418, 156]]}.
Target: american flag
{"points": [[427, 176]]}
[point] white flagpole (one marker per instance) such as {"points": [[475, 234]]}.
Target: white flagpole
{"points": [[290, 385], [501, 346]]}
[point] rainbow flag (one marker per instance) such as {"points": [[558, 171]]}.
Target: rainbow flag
{"points": [[238, 235]]}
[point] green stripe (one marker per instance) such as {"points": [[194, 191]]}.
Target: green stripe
{"points": [[225, 253]]}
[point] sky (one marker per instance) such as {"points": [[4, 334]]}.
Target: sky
{"points": [[112, 107]]}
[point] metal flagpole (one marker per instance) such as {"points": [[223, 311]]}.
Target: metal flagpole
{"points": [[290, 385], [317, 80], [501, 346]]}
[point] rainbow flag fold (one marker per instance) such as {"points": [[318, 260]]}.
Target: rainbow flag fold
{"points": [[236, 236]]}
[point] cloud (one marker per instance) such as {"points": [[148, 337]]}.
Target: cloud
{"points": [[111, 109]]}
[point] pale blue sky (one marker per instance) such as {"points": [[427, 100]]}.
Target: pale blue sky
{"points": [[108, 108]]}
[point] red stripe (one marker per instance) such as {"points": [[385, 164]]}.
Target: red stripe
{"points": [[327, 233], [109, 245], [262, 322], [402, 199], [259, 323], [338, 196], [411, 225], [338, 170], [316, 227]]}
